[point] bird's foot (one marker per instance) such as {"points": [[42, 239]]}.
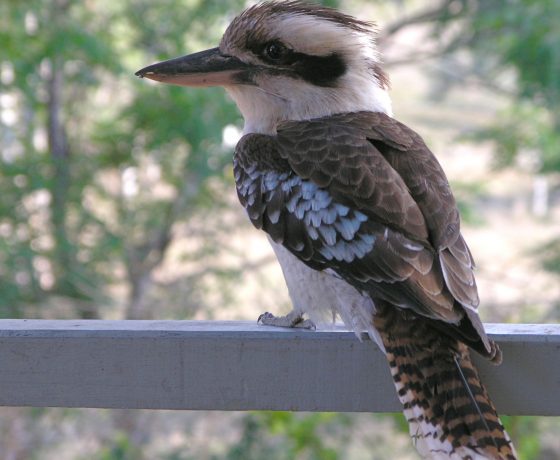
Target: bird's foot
{"points": [[292, 319]]}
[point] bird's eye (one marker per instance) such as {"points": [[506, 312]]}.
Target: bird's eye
{"points": [[274, 51]]}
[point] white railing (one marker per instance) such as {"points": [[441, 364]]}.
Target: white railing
{"points": [[242, 366]]}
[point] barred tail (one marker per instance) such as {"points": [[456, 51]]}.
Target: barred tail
{"points": [[449, 412]]}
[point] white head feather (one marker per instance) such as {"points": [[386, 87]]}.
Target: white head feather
{"points": [[312, 30]]}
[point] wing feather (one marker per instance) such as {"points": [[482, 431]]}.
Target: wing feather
{"points": [[362, 195]]}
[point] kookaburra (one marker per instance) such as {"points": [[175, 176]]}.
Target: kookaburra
{"points": [[357, 209]]}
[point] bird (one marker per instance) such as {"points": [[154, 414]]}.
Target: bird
{"points": [[357, 209]]}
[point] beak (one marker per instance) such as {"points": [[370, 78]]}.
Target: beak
{"points": [[206, 68]]}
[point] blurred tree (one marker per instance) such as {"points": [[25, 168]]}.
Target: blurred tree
{"points": [[296, 435], [520, 37], [515, 50], [48, 60], [97, 167]]}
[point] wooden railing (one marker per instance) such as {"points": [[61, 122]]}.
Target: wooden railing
{"points": [[242, 366]]}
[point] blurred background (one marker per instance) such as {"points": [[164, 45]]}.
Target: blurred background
{"points": [[117, 199]]}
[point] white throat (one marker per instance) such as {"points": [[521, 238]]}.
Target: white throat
{"points": [[281, 98]]}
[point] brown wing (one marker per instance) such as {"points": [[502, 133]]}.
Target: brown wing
{"points": [[407, 153], [385, 169], [336, 154], [425, 179], [329, 232]]}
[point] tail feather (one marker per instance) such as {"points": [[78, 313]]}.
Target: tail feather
{"points": [[449, 412]]}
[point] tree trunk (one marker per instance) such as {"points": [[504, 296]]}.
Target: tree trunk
{"points": [[60, 155]]}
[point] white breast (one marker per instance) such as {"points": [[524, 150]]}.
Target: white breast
{"points": [[322, 295]]}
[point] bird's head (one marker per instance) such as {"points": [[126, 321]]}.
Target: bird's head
{"points": [[287, 61]]}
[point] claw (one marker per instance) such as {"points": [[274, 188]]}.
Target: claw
{"points": [[291, 320], [262, 319]]}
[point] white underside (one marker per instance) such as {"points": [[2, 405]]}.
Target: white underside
{"points": [[323, 295]]}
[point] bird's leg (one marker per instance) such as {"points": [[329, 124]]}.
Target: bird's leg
{"points": [[292, 319]]}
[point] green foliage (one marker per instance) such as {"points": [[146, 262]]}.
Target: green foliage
{"points": [[523, 35], [50, 36], [550, 254], [525, 133], [287, 435], [525, 432], [84, 128], [466, 193], [400, 422], [522, 38], [121, 449]]}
